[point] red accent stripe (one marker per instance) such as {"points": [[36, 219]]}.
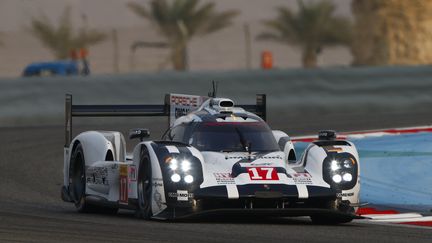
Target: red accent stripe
{"points": [[409, 130], [391, 131], [210, 124], [306, 140], [363, 211], [395, 131], [419, 223]]}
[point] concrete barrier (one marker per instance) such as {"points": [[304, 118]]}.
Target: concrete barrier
{"points": [[290, 92]]}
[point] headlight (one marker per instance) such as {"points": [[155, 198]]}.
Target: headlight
{"points": [[347, 177], [175, 178], [347, 164], [173, 164], [340, 171], [188, 179], [337, 178], [334, 165], [185, 165]]}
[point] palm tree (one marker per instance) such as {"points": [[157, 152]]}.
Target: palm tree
{"points": [[181, 20], [396, 32], [63, 39], [312, 28]]}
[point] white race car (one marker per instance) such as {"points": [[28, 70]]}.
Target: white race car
{"points": [[216, 158]]}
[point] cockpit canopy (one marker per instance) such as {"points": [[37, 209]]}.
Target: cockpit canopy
{"points": [[253, 136]]}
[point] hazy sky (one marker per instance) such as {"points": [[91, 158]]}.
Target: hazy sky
{"points": [[15, 14]]}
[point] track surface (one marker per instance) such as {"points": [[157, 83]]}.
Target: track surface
{"points": [[31, 210]]}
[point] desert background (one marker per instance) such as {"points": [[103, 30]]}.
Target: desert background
{"points": [[223, 50]]}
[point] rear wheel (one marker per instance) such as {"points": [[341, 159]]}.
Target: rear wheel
{"points": [[144, 209], [77, 180], [78, 185]]}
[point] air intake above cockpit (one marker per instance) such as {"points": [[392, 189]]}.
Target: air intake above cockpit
{"points": [[221, 103]]}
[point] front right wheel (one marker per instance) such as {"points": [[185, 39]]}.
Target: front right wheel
{"points": [[144, 209]]}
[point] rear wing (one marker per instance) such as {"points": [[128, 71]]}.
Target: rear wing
{"points": [[175, 105]]}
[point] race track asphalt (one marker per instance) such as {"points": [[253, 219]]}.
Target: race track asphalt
{"points": [[31, 163]]}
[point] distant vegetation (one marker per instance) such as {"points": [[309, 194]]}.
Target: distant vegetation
{"points": [[179, 21], [392, 32], [312, 28], [62, 38]]}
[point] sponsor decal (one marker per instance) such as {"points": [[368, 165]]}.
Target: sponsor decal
{"points": [[302, 178], [123, 198], [254, 157], [224, 178], [263, 173], [257, 164], [181, 195], [157, 182], [132, 173], [97, 175], [157, 197], [186, 100], [345, 194], [181, 112], [181, 105], [123, 170]]}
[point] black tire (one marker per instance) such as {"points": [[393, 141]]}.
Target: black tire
{"points": [[77, 180], [77, 186], [144, 209], [323, 220]]}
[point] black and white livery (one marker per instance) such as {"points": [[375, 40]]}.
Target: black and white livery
{"points": [[215, 158]]}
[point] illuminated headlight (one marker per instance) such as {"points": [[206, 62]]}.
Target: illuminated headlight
{"points": [[188, 179], [175, 178], [173, 164], [337, 178], [347, 163], [340, 171], [185, 165], [334, 165], [347, 177]]}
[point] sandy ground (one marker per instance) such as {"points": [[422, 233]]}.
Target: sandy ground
{"points": [[223, 50]]}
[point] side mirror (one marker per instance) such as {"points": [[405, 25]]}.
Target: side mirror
{"points": [[140, 133]]}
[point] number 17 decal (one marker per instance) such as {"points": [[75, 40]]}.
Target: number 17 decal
{"points": [[263, 173]]}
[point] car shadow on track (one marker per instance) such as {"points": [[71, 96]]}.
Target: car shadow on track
{"points": [[223, 219]]}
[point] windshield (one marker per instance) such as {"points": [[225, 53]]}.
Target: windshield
{"points": [[232, 137]]}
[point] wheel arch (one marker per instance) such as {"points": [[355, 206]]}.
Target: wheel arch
{"points": [[158, 204], [95, 146]]}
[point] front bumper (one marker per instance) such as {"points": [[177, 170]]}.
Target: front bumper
{"points": [[276, 191], [268, 200]]}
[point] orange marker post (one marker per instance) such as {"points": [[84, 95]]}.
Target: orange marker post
{"points": [[266, 60]]}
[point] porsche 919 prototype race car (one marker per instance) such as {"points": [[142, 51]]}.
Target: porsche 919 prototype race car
{"points": [[215, 158]]}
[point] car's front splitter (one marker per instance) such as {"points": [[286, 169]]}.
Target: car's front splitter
{"points": [[262, 213]]}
